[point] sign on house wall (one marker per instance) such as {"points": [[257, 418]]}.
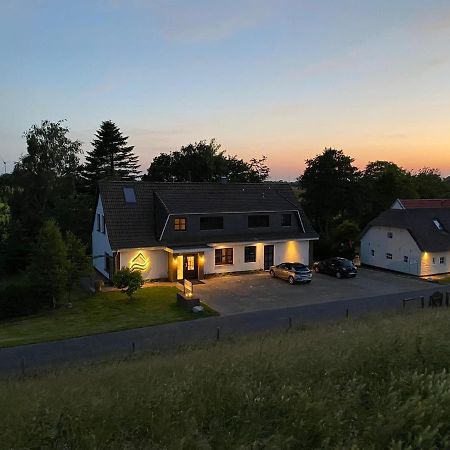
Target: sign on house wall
{"points": [[140, 262]]}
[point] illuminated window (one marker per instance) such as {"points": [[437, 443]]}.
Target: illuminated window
{"points": [[286, 220], [388, 255], [180, 224], [250, 254], [190, 262], [223, 256]]}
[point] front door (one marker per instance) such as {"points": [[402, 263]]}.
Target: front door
{"points": [[268, 256], [190, 266]]}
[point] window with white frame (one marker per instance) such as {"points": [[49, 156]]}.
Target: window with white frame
{"points": [[388, 255], [390, 234], [442, 260]]}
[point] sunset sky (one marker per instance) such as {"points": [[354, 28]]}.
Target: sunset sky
{"points": [[282, 78]]}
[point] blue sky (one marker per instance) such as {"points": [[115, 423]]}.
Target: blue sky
{"points": [[280, 78]]}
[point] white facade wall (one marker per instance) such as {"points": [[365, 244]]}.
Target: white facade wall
{"points": [[432, 263], [400, 245], [157, 262], [100, 241], [288, 251]]}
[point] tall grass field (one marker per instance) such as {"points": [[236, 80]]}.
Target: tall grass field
{"points": [[380, 383]]}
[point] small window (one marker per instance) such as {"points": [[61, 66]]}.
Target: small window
{"points": [[99, 222], [107, 263], [372, 252], [388, 255], [130, 196], [103, 225], [223, 256], [434, 260], [211, 223], [286, 220], [180, 224], [390, 234], [405, 259], [250, 254], [438, 224], [258, 221], [442, 260]]}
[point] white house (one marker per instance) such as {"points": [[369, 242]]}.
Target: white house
{"points": [[411, 237], [192, 230]]}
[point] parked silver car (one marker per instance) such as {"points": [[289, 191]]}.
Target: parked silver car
{"points": [[292, 272]]}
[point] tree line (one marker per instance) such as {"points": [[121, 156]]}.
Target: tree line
{"points": [[50, 188], [340, 199]]}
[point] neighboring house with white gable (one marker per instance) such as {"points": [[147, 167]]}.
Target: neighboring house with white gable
{"points": [[411, 237], [190, 230]]}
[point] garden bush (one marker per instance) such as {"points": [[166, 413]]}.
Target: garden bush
{"points": [[18, 299]]}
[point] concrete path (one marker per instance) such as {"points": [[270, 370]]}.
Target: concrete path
{"points": [[172, 336]]}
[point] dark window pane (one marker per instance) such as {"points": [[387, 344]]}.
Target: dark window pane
{"points": [[223, 256], [211, 223], [286, 220], [250, 254], [130, 196], [258, 221]]}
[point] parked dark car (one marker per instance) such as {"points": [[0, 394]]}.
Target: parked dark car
{"points": [[292, 272], [338, 267]]}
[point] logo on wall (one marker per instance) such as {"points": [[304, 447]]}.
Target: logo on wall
{"points": [[140, 262]]}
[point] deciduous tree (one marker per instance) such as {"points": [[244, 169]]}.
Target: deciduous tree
{"points": [[205, 161]]}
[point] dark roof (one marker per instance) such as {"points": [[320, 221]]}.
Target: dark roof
{"points": [[419, 223], [139, 224], [413, 203]]}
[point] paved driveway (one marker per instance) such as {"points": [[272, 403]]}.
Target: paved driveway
{"points": [[252, 292]]}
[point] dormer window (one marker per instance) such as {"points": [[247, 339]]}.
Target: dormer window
{"points": [[438, 224], [180, 224], [129, 195], [286, 220]]}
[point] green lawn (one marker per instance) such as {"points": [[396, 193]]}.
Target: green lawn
{"points": [[376, 384], [107, 311]]}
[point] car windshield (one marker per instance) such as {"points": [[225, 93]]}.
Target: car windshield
{"points": [[299, 267], [345, 263]]}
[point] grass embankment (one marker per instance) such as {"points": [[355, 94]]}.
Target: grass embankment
{"points": [[376, 384], [103, 312]]}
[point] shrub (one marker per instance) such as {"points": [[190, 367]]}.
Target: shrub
{"points": [[18, 299], [129, 281]]}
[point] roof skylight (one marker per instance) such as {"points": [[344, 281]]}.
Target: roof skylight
{"points": [[438, 224], [129, 194]]}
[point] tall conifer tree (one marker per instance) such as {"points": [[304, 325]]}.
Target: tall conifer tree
{"points": [[110, 157]]}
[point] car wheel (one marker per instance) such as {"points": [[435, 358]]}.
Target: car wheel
{"points": [[291, 280], [338, 275], [272, 274]]}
